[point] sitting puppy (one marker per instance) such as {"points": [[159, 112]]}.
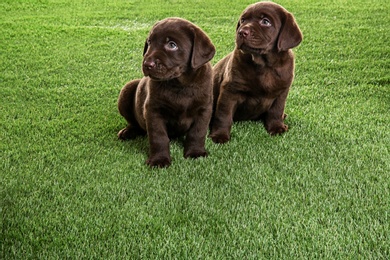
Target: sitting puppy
{"points": [[175, 96], [253, 81]]}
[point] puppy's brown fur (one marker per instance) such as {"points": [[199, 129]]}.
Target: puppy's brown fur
{"points": [[253, 81], [175, 96]]}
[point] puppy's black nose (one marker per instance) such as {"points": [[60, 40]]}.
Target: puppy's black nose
{"points": [[149, 65], [243, 32]]}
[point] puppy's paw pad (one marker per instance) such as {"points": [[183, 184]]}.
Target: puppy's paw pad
{"points": [[195, 154], [161, 162], [127, 133], [220, 138], [279, 129], [122, 134]]}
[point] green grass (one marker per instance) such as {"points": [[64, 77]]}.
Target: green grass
{"points": [[70, 189]]}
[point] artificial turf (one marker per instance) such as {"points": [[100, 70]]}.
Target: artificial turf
{"points": [[70, 189]]}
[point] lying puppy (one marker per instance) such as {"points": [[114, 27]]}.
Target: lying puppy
{"points": [[253, 81], [175, 96]]}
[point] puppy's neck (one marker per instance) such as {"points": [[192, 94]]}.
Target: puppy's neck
{"points": [[192, 76], [260, 60], [271, 59]]}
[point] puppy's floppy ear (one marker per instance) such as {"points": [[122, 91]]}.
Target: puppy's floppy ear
{"points": [[238, 24], [203, 49], [146, 47], [290, 35]]}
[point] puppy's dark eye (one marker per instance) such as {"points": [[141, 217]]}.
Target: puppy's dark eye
{"points": [[265, 22], [172, 45], [242, 20]]}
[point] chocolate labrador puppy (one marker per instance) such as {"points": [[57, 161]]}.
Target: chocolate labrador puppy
{"points": [[174, 98], [253, 81]]}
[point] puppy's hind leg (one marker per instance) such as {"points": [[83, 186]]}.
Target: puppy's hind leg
{"points": [[126, 109]]}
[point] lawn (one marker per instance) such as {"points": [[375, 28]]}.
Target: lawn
{"points": [[69, 189]]}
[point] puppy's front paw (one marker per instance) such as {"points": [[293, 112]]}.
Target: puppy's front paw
{"points": [[195, 153], [277, 129], [159, 161], [220, 137]]}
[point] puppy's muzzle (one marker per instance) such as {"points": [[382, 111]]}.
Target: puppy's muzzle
{"points": [[244, 32], [152, 68], [149, 65]]}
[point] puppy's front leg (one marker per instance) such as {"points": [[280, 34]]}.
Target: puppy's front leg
{"points": [[196, 136], [158, 143], [274, 120], [223, 118]]}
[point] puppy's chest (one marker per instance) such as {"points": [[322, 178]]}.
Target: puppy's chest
{"points": [[180, 113], [181, 108], [179, 105], [266, 84]]}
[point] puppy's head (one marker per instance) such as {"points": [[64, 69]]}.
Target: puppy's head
{"points": [[175, 46], [264, 27]]}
